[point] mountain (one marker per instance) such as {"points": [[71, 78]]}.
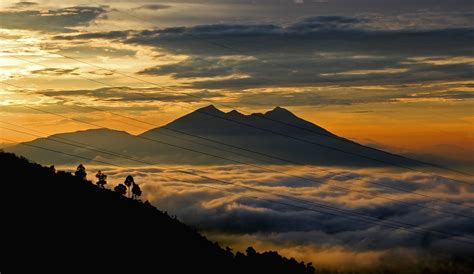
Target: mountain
{"points": [[278, 133], [76, 143], [55, 222]]}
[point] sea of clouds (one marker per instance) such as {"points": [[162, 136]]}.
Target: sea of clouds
{"points": [[332, 217]]}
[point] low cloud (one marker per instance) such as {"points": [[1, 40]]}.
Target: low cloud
{"points": [[53, 20], [25, 4], [336, 95], [55, 71], [127, 94], [240, 217], [208, 67], [152, 7]]}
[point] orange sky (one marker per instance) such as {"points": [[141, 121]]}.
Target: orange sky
{"points": [[405, 114]]}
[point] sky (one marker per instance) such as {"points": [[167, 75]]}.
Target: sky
{"points": [[393, 74]]}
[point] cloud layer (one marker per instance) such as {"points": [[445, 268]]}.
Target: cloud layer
{"points": [[316, 51], [53, 20], [241, 216]]}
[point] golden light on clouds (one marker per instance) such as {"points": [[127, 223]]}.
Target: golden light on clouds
{"points": [[399, 80], [33, 58]]}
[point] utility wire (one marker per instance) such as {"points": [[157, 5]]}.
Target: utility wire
{"points": [[268, 169], [273, 120], [224, 158], [286, 135], [290, 162], [103, 151], [240, 51], [206, 177], [411, 228], [75, 144], [397, 155]]}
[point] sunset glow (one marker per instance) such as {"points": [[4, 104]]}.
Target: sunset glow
{"points": [[394, 75]]}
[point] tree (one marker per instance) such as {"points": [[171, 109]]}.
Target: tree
{"points": [[81, 172], [136, 191], [120, 189], [251, 251], [129, 182], [101, 179]]}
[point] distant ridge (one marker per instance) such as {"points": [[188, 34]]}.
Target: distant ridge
{"points": [[253, 132]]}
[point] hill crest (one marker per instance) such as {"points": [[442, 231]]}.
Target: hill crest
{"points": [[63, 220]]}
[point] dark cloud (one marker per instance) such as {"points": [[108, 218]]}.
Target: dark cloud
{"points": [[290, 97], [321, 50], [127, 94], [153, 7], [84, 50], [322, 34], [209, 67], [326, 23], [453, 95], [342, 6], [95, 35], [343, 96], [25, 4], [54, 20], [55, 71]]}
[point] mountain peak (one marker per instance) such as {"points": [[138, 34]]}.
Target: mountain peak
{"points": [[92, 131], [235, 113], [279, 109], [279, 112], [210, 109]]}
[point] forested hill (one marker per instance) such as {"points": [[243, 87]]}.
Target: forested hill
{"points": [[53, 221]]}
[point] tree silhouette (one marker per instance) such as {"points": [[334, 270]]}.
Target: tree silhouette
{"points": [[251, 251], [102, 179], [81, 172], [129, 182], [76, 207], [120, 189], [136, 191]]}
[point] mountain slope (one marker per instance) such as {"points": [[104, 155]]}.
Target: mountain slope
{"points": [[277, 132], [112, 140], [58, 222]]}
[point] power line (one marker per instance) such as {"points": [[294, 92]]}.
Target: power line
{"points": [[273, 120], [380, 221], [230, 145], [231, 121], [64, 153], [455, 235], [217, 156], [230, 48], [78, 144], [357, 213], [85, 77], [338, 209], [103, 151], [254, 165], [260, 167], [290, 162], [282, 134]]}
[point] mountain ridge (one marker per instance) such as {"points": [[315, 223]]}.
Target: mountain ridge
{"points": [[266, 133], [62, 221]]}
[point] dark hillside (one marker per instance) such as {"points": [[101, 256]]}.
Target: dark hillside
{"points": [[55, 222]]}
